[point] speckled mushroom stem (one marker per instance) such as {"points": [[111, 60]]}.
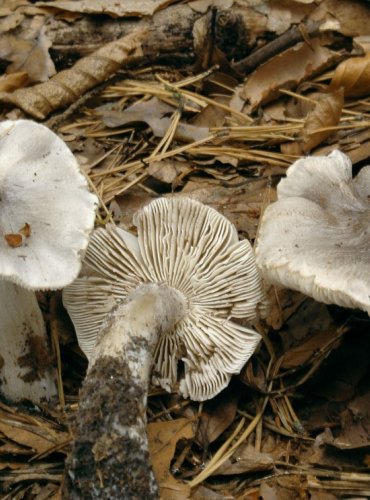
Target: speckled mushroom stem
{"points": [[110, 457]]}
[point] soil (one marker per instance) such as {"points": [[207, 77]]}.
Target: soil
{"points": [[112, 465], [37, 358]]}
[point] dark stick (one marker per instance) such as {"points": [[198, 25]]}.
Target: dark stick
{"points": [[286, 40]]}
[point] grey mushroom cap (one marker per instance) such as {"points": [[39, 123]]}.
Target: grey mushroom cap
{"points": [[42, 187], [316, 237], [195, 250]]}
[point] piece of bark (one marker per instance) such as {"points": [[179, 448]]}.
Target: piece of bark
{"points": [[169, 30]]}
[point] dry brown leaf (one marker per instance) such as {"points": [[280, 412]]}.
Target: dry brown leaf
{"points": [[68, 85], [352, 17], [11, 21], [14, 240], [110, 7], [287, 70], [168, 171], [163, 437], [9, 83], [217, 416], [29, 56], [26, 437], [326, 114], [155, 113], [246, 459], [354, 76], [241, 204], [302, 353]]}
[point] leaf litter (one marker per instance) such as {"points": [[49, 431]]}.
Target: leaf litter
{"points": [[296, 422]]}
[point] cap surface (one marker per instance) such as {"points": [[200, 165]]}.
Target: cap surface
{"points": [[194, 249], [316, 237], [44, 195]]}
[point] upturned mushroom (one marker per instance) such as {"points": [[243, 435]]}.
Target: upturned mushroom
{"points": [[46, 216], [161, 303], [316, 237]]}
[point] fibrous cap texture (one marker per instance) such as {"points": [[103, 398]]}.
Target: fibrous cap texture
{"points": [[316, 237], [195, 250]]}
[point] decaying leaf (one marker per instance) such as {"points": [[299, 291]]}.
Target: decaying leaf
{"points": [[168, 171], [66, 86], [9, 83], [246, 459], [216, 417], [287, 70], [163, 437], [110, 7], [318, 124], [14, 240], [157, 115], [352, 17], [353, 75], [302, 353], [28, 56], [27, 437]]}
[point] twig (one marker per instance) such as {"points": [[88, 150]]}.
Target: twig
{"points": [[286, 40]]}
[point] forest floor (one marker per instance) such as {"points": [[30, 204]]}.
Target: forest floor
{"points": [[245, 90]]}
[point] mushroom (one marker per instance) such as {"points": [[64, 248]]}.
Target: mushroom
{"points": [[316, 237], [46, 216], [147, 304]]}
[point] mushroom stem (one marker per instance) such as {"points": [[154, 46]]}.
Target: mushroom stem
{"points": [[26, 364], [110, 458]]}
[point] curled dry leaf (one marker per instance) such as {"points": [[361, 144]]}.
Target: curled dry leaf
{"points": [[163, 437], [9, 83], [287, 70], [157, 115], [110, 7], [29, 56], [354, 76], [318, 124], [14, 240], [68, 85]]}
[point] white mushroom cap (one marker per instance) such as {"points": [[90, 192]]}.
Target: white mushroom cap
{"points": [[195, 250], [41, 186], [316, 237]]}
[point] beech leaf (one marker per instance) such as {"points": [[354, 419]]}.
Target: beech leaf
{"points": [[353, 75], [325, 114], [286, 70], [163, 437], [66, 86], [29, 56]]}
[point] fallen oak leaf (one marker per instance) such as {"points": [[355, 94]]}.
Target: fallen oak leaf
{"points": [[155, 113], [353, 75], [162, 438], [287, 70], [29, 56], [67, 85], [318, 124]]}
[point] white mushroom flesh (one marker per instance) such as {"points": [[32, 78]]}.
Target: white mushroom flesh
{"points": [[41, 187], [195, 250], [26, 368], [316, 237]]}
